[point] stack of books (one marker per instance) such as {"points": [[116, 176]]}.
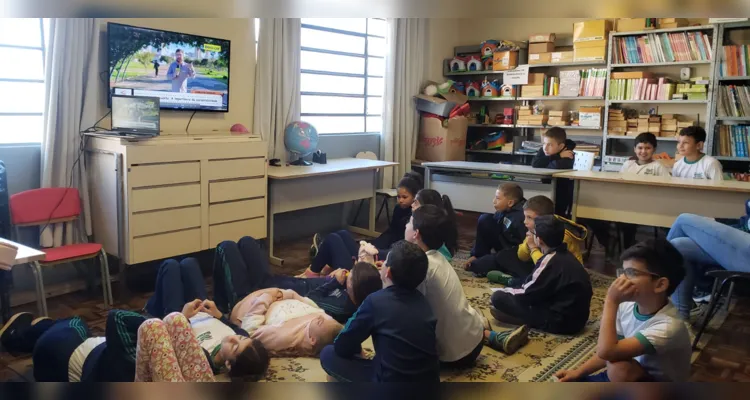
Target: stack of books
{"points": [[592, 82], [734, 101], [661, 48], [526, 116], [697, 89], [590, 147], [734, 140], [558, 118], [736, 60], [640, 85], [616, 124], [668, 125], [528, 147]]}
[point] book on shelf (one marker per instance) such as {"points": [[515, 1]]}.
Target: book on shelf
{"points": [[570, 83], [734, 101], [642, 89], [592, 82], [734, 140], [736, 60], [661, 48]]}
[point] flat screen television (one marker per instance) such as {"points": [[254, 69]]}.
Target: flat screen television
{"points": [[185, 71]]}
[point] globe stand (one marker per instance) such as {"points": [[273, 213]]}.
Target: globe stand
{"points": [[301, 163]]}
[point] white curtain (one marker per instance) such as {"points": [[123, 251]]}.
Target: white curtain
{"points": [[71, 75], [277, 81], [406, 65]]}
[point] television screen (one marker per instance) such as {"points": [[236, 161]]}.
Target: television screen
{"points": [[186, 72]]}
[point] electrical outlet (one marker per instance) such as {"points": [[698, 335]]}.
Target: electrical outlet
{"points": [[685, 74]]}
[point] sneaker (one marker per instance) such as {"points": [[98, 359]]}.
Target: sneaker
{"points": [[40, 319], [315, 247], [16, 322], [701, 297], [509, 341]]}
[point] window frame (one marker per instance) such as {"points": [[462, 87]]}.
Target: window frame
{"points": [[366, 76], [42, 47]]}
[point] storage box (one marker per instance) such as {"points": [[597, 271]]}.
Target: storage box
{"points": [[439, 142], [590, 116], [631, 24], [665, 23], [540, 58], [590, 54], [532, 91], [542, 37], [545, 47], [524, 112], [589, 44], [591, 30], [561, 56], [437, 105], [504, 60], [537, 78]]}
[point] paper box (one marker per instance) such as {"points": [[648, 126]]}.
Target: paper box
{"points": [[540, 58], [437, 105], [546, 47], [542, 37], [504, 60], [561, 56], [672, 22], [537, 78], [438, 142], [590, 116], [591, 30], [590, 54], [589, 44], [631, 24]]}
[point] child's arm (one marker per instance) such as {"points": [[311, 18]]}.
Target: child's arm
{"points": [[609, 347], [589, 367], [528, 252], [359, 327], [714, 171], [542, 160]]}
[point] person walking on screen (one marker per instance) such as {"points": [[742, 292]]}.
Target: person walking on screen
{"points": [[179, 72]]}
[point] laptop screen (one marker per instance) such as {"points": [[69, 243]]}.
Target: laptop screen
{"points": [[135, 114]]}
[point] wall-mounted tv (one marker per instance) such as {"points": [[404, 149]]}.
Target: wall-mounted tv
{"points": [[186, 72]]}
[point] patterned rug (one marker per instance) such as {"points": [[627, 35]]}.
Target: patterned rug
{"points": [[544, 355]]}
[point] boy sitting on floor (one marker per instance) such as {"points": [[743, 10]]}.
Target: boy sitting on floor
{"points": [[556, 297], [401, 324], [513, 269], [501, 231], [695, 164], [557, 153], [641, 337]]}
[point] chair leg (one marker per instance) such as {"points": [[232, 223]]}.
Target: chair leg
{"points": [[106, 284], [380, 211], [359, 208], [707, 318], [729, 294], [387, 209], [41, 300]]}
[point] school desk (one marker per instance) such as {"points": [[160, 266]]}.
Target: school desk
{"points": [[653, 200], [25, 255], [292, 188], [471, 186]]}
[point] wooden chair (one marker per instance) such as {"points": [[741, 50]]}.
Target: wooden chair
{"points": [[727, 278], [47, 206]]}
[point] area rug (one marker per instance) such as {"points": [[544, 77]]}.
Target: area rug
{"points": [[538, 361]]}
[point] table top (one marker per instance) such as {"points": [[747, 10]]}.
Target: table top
{"points": [[491, 167], [25, 254], [334, 166], [664, 181]]}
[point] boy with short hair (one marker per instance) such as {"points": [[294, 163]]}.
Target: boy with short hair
{"points": [[644, 162], [557, 153], [641, 337], [512, 269], [401, 323], [556, 297], [695, 164], [502, 230]]}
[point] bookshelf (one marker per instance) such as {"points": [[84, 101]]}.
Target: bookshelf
{"points": [[625, 46], [721, 144]]}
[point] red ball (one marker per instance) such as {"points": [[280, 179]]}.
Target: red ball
{"points": [[238, 128]]}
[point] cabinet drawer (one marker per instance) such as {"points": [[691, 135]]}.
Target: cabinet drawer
{"points": [[164, 174], [155, 247], [237, 189], [151, 222], [236, 210], [233, 231], [165, 197], [239, 168]]}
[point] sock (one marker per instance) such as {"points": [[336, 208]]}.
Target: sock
{"points": [[499, 277]]}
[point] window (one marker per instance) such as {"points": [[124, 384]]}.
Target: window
{"points": [[22, 48], [343, 74], [257, 34]]}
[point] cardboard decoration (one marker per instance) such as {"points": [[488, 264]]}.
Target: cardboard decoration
{"points": [[442, 140]]}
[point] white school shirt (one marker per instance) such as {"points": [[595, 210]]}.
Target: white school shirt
{"points": [[75, 363], [706, 167], [209, 331], [654, 168], [459, 326], [665, 337]]}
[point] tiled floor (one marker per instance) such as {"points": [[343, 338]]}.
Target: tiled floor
{"points": [[726, 359]]}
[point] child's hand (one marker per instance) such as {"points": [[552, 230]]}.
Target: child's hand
{"points": [[567, 154], [568, 375], [530, 241], [192, 308], [621, 290], [210, 307], [468, 262], [340, 275]]}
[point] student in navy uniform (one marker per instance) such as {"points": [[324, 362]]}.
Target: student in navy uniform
{"points": [[242, 268], [401, 324], [557, 153], [502, 232]]}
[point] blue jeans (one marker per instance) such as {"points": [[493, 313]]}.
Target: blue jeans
{"points": [[176, 285], [703, 243], [341, 250], [346, 369], [487, 237]]}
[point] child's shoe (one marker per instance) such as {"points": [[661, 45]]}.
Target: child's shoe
{"points": [[509, 341], [14, 323], [499, 277], [315, 247]]}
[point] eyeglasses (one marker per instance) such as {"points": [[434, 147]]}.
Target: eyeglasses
{"points": [[631, 273]]}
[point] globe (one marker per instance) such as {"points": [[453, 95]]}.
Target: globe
{"points": [[301, 139]]}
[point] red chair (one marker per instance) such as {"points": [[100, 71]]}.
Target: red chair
{"points": [[47, 206]]}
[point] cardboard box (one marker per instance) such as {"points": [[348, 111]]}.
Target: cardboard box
{"points": [[590, 54], [545, 47], [540, 58], [439, 106], [631, 24], [591, 30], [589, 44], [557, 113], [537, 78], [561, 56], [504, 60], [542, 37], [665, 23], [590, 116], [532, 91], [438, 142]]}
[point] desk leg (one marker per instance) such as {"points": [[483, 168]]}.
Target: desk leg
{"points": [[370, 231], [427, 174], [5, 277], [273, 259], [574, 207]]}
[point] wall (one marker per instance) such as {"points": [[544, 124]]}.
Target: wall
{"points": [[444, 36]]}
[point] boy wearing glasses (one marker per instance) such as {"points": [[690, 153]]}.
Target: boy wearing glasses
{"points": [[641, 338]]}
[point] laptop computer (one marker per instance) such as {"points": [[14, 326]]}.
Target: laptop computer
{"points": [[135, 116]]}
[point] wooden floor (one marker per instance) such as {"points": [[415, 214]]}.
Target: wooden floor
{"points": [[726, 359]]}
